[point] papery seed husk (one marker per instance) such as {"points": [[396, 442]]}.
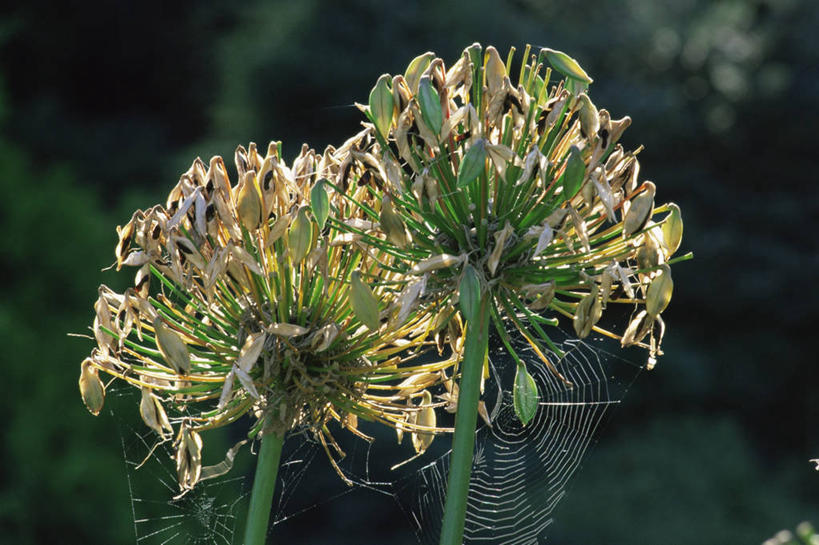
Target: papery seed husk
{"points": [[92, 389], [172, 348], [252, 349], [392, 225], [500, 244], [547, 234], [659, 291], [188, 458], [640, 210], [152, 413], [587, 314], [364, 303], [637, 329], [495, 70], [287, 330], [437, 262], [324, 337], [542, 294]]}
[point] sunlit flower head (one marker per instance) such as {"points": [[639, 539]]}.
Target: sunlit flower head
{"points": [[248, 301], [519, 190]]}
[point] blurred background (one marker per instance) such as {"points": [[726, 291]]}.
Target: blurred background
{"points": [[103, 105]]}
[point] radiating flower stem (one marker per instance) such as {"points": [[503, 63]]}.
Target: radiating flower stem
{"points": [[463, 442], [264, 485]]}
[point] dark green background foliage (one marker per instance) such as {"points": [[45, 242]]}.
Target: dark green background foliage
{"points": [[104, 104]]}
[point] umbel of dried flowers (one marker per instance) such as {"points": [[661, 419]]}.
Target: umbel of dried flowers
{"points": [[247, 301], [516, 205]]}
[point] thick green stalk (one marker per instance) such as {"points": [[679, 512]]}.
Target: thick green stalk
{"points": [[463, 442], [264, 484]]}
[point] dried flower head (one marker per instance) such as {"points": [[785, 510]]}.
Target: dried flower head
{"points": [[520, 191], [247, 301]]}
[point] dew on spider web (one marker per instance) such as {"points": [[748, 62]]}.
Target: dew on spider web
{"points": [[520, 473]]}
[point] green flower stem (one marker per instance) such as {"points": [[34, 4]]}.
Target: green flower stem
{"points": [[463, 442], [264, 484]]}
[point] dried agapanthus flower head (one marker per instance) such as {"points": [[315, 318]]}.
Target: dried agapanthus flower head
{"points": [[478, 185], [247, 301]]}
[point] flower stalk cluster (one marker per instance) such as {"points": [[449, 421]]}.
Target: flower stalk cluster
{"points": [[306, 295]]}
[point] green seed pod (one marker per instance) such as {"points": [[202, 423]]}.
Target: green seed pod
{"points": [[249, 203], [172, 347], [525, 397], [574, 173], [473, 163], [416, 69], [659, 291], [589, 118], [430, 104], [364, 303], [566, 65], [320, 203], [381, 105], [469, 296], [92, 389], [300, 236], [426, 417], [672, 227], [642, 206]]}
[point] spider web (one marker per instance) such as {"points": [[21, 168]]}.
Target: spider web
{"points": [[208, 514], [519, 473]]}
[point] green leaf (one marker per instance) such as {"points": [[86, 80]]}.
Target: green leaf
{"points": [[574, 174], [469, 293], [473, 163], [364, 303], [566, 65], [430, 104], [381, 105], [525, 397], [320, 203]]}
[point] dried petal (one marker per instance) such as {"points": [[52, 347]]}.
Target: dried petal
{"points": [[392, 225], [437, 262]]}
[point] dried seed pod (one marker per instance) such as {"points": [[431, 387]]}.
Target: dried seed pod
{"points": [[92, 389], [541, 293], [287, 330], [500, 243], [172, 347], [588, 313], [637, 329], [364, 303], [437, 262], [392, 225], [642, 206], [324, 337], [659, 291], [188, 458], [153, 413]]}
